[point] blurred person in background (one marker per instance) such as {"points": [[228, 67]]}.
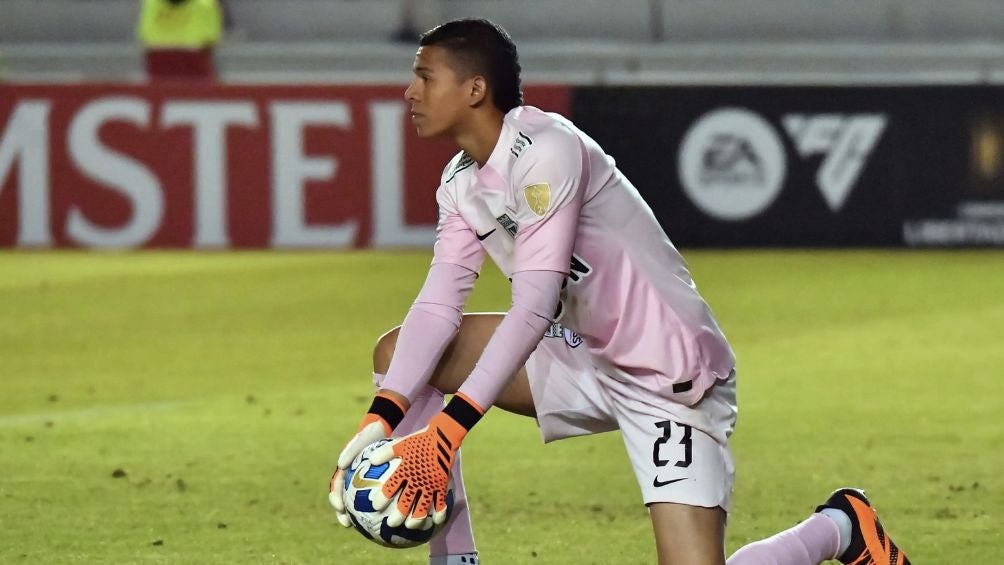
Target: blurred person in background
{"points": [[417, 15], [228, 15], [179, 36]]}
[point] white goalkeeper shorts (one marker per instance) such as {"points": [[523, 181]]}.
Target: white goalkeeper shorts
{"points": [[679, 453]]}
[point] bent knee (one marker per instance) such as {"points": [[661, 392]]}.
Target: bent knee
{"points": [[753, 554], [383, 351]]}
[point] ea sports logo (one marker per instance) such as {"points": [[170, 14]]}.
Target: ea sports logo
{"points": [[731, 164]]}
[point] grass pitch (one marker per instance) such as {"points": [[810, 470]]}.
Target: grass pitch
{"points": [[188, 408]]}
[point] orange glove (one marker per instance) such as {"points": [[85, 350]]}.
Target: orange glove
{"points": [[383, 416], [423, 475]]}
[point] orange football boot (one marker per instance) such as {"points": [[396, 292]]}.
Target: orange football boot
{"points": [[870, 544]]}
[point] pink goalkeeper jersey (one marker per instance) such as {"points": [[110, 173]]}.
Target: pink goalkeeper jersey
{"points": [[628, 293]]}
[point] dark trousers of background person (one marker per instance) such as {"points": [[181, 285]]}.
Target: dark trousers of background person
{"points": [[180, 64]]}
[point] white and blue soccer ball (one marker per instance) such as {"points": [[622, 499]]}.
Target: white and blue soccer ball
{"points": [[361, 479]]}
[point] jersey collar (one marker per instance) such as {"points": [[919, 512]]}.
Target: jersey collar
{"points": [[498, 160]]}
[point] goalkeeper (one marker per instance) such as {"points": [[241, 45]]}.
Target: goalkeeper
{"points": [[606, 329]]}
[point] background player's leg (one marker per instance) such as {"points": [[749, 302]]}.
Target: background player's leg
{"points": [[690, 535]]}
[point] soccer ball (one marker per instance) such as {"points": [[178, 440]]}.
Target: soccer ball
{"points": [[361, 478]]}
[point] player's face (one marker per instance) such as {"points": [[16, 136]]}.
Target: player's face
{"points": [[439, 97]]}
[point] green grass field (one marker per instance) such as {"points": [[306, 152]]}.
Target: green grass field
{"points": [[188, 407]]}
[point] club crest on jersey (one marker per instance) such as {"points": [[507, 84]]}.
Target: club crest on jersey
{"points": [[506, 222], [538, 197]]}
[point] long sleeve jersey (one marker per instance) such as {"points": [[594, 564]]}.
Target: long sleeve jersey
{"points": [[550, 200]]}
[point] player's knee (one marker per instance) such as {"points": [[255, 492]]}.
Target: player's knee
{"points": [[753, 554], [384, 351]]}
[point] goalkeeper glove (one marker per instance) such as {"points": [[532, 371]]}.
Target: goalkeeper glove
{"points": [[427, 456], [383, 416]]}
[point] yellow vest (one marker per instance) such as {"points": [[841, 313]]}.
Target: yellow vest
{"points": [[193, 24]]}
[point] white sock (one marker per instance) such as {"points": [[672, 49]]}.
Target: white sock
{"points": [[463, 559], [843, 524]]}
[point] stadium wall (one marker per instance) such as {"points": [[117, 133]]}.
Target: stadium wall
{"points": [[226, 166]]}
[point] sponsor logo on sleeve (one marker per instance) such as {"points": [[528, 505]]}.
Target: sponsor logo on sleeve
{"points": [[507, 223], [522, 142]]}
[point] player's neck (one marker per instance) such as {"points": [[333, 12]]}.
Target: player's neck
{"points": [[479, 136]]}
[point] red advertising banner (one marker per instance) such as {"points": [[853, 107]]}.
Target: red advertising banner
{"points": [[219, 166]]}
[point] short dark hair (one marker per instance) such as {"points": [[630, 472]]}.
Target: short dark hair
{"points": [[482, 47]]}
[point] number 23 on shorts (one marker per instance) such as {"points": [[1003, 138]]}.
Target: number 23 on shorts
{"points": [[684, 437]]}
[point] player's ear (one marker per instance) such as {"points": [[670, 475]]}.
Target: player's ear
{"points": [[478, 94]]}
